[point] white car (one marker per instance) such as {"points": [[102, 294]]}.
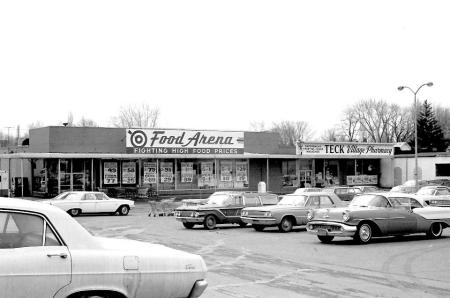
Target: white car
{"points": [[46, 253], [77, 202]]}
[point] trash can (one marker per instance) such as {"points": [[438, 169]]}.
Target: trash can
{"points": [[262, 186]]}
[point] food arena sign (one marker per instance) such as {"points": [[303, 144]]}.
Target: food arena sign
{"points": [[160, 141], [346, 149]]}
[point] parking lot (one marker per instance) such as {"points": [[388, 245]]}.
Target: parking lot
{"points": [[247, 264]]}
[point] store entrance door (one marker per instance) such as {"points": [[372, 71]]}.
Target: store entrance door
{"points": [[305, 178], [78, 181]]}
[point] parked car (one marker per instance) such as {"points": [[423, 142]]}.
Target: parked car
{"points": [[46, 253], [368, 188], [222, 207], [345, 193], [379, 214], [290, 211], [435, 195], [78, 202], [307, 189], [194, 202], [410, 186]]}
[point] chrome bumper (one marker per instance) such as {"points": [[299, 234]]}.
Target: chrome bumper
{"points": [[327, 228], [259, 221], [190, 219], [198, 288]]}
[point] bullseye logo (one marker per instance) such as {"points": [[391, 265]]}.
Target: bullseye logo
{"points": [[138, 138]]}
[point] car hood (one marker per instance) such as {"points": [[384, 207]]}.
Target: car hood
{"points": [[153, 254], [336, 213]]}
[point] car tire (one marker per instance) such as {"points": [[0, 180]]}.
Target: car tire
{"points": [[74, 212], [210, 222], [285, 225], [325, 239], [435, 231], [258, 228], [124, 210], [242, 224], [188, 225], [364, 233]]}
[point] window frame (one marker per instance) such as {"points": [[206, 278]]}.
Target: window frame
{"points": [[46, 223]]}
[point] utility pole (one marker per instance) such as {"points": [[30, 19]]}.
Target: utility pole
{"points": [[7, 144]]}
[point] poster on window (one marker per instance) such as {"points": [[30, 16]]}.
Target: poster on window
{"points": [[226, 171], [4, 180], [187, 172], [241, 171], [149, 172], [166, 169], [206, 172], [110, 173], [129, 172]]}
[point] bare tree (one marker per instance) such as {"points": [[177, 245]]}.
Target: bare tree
{"points": [[257, 126], [86, 122], [332, 135], [401, 125], [349, 125], [292, 131], [141, 115]]}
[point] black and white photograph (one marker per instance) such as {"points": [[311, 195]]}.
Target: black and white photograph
{"points": [[224, 149]]}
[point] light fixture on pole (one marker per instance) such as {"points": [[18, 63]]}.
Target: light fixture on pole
{"points": [[400, 88]]}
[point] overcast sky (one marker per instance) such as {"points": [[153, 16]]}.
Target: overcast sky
{"points": [[217, 64]]}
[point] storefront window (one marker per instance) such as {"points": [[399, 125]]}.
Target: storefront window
{"points": [[149, 173], [187, 174], [129, 173], [166, 175], [110, 173], [288, 170], [207, 177]]}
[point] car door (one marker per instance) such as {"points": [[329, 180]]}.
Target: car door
{"points": [[401, 220], [105, 204], [31, 265], [88, 203], [233, 207]]}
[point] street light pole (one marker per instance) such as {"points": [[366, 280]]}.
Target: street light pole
{"points": [[416, 174]]}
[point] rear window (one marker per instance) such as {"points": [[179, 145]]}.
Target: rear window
{"points": [[269, 199]]}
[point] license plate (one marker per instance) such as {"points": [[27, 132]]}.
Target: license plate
{"points": [[322, 232]]}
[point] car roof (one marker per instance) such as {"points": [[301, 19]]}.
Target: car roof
{"points": [[70, 230]]}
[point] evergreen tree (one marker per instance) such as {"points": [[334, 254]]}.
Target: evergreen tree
{"points": [[429, 133]]}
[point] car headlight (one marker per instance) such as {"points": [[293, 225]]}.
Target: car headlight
{"points": [[310, 214], [244, 213], [267, 214], [346, 216]]}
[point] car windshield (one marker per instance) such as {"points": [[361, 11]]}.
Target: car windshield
{"points": [[62, 196], [73, 196], [369, 201], [293, 200], [426, 191], [218, 199]]}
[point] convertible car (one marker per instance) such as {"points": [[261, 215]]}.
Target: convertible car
{"points": [[379, 214], [46, 253]]}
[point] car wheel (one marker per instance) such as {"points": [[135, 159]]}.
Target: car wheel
{"points": [[210, 222], [285, 225], [74, 212], [364, 233], [258, 228], [124, 210], [435, 231], [325, 239], [242, 224], [188, 225]]}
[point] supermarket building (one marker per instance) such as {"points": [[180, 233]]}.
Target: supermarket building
{"points": [[184, 162]]}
